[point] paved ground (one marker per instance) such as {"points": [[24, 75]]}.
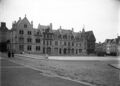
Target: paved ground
{"points": [[97, 72], [16, 75]]}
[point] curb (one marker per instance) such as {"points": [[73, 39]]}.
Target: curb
{"points": [[41, 57], [114, 66]]}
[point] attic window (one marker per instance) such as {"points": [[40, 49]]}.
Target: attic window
{"points": [[25, 25]]}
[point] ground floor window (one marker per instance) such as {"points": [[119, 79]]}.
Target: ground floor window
{"points": [[80, 50], [21, 47], [29, 48], [44, 50], [37, 48], [60, 51]]}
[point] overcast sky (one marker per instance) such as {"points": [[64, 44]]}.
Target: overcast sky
{"points": [[100, 16]]}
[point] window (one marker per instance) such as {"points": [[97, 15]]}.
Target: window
{"points": [[72, 37], [21, 47], [64, 36], [29, 32], [37, 40], [37, 48], [80, 50], [50, 42], [29, 47], [21, 39], [21, 32], [80, 44], [68, 43], [72, 44], [64, 43], [47, 42], [25, 25], [59, 36], [43, 42], [29, 40], [76, 44], [56, 42]]}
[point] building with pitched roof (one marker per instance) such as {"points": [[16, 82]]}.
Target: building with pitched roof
{"points": [[45, 40]]}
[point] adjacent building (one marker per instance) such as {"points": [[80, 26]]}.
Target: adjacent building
{"points": [[109, 47], [4, 37], [45, 40]]}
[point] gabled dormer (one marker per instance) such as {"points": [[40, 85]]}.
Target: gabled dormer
{"points": [[89, 35], [23, 23]]}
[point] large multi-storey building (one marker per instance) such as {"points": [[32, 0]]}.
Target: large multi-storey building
{"points": [[45, 40]]}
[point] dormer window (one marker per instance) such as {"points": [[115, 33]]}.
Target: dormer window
{"points": [[25, 25]]}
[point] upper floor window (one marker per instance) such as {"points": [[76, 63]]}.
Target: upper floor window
{"points": [[56, 42], [59, 36], [37, 48], [21, 39], [68, 43], [21, 32], [37, 40], [29, 40], [65, 43], [80, 44], [25, 25], [29, 32], [72, 43], [72, 37], [50, 42], [47, 42]]}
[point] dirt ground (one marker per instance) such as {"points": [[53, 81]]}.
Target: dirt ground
{"points": [[99, 73]]}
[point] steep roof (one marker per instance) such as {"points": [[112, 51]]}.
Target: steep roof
{"points": [[22, 20], [90, 36]]}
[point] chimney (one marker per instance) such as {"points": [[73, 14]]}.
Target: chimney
{"points": [[19, 18], [72, 29], [38, 25], [60, 27], [83, 30], [51, 26], [32, 23]]}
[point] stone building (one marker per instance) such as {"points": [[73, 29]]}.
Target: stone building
{"points": [[112, 46], [45, 40]]}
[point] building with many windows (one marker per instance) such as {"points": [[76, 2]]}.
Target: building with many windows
{"points": [[45, 40]]}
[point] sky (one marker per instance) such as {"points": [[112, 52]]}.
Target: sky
{"points": [[100, 16]]}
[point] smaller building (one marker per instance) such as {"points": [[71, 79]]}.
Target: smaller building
{"points": [[111, 47], [118, 44]]}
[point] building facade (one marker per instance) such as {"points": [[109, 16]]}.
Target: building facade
{"points": [[45, 40], [109, 47]]}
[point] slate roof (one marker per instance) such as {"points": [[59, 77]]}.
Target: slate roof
{"points": [[89, 35]]}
